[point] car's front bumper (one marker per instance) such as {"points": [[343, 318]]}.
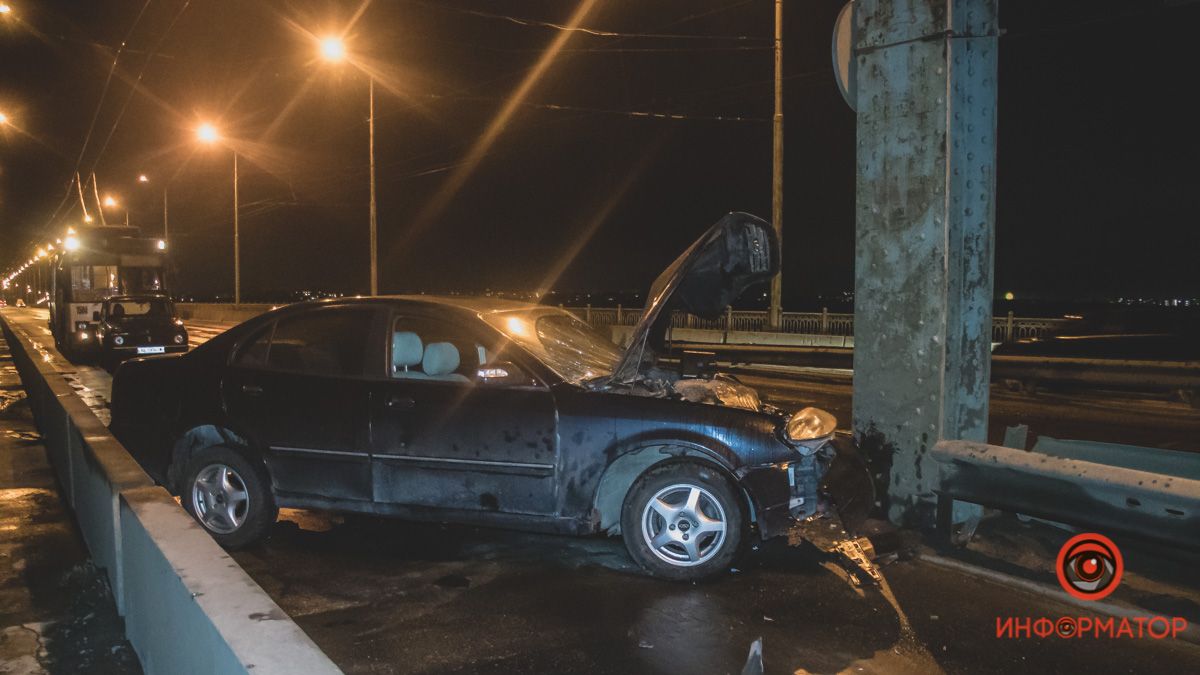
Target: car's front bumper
{"points": [[130, 351]]}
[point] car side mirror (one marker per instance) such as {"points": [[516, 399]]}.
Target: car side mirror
{"points": [[96, 315], [502, 373]]}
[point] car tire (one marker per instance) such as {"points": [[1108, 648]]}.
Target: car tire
{"points": [[229, 496], [665, 509]]}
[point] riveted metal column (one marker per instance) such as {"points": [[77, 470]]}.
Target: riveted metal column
{"points": [[925, 230]]}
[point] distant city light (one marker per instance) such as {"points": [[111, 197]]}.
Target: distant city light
{"points": [[333, 49], [143, 178], [162, 245], [207, 133]]}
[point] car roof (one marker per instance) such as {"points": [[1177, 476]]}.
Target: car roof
{"points": [[473, 304]]}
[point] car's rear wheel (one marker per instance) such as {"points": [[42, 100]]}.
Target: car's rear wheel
{"points": [[228, 496], [683, 521]]}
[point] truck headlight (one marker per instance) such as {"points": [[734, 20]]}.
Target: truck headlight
{"points": [[810, 424]]}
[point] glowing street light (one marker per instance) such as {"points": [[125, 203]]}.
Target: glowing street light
{"points": [[143, 178], [207, 133], [87, 218], [110, 201], [3, 118], [71, 243], [333, 49], [5, 8]]}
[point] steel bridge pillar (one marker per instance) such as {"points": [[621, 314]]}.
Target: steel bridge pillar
{"points": [[926, 96]]}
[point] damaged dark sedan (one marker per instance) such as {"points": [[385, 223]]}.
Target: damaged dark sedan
{"points": [[489, 412]]}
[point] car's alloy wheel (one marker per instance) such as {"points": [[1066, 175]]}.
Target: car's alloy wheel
{"points": [[683, 521], [229, 495], [220, 499], [684, 525]]}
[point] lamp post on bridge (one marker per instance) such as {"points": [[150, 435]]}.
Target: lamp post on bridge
{"points": [[209, 135]]}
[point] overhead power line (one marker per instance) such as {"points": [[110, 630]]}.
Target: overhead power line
{"points": [[595, 32]]}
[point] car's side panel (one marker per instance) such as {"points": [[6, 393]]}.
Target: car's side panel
{"points": [[464, 446], [597, 428], [312, 430]]}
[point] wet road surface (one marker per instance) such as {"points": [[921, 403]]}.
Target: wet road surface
{"points": [[389, 596]]}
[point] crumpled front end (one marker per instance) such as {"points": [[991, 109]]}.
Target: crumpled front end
{"points": [[786, 492], [831, 479]]}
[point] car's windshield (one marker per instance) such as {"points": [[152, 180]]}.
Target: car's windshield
{"points": [[129, 309], [567, 345]]}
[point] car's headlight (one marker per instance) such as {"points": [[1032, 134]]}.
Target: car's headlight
{"points": [[179, 339], [810, 424], [118, 340]]}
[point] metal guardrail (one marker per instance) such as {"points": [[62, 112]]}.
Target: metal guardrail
{"points": [[188, 608], [1008, 328], [1096, 485]]}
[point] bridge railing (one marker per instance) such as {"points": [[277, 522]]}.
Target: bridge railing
{"points": [[1006, 328]]}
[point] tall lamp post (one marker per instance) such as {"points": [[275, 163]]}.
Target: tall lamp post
{"points": [[333, 50], [209, 135], [775, 315]]}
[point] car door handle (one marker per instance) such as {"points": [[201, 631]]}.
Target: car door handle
{"points": [[252, 390], [401, 402]]}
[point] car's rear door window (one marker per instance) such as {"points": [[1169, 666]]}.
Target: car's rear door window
{"points": [[332, 341], [253, 354], [322, 342]]}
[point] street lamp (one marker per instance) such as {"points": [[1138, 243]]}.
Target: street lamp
{"points": [[5, 8], [145, 180], [111, 202], [333, 50], [3, 118], [209, 135]]}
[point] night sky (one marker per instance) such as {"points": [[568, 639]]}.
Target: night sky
{"points": [[1098, 140]]}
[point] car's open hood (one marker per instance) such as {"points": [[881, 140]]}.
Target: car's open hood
{"points": [[737, 252]]}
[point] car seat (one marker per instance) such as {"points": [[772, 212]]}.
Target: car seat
{"points": [[407, 352], [440, 361]]}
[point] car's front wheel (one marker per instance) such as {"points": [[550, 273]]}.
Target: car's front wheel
{"points": [[228, 496], [683, 521]]}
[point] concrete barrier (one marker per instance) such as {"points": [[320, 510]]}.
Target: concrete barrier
{"points": [[188, 607]]}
